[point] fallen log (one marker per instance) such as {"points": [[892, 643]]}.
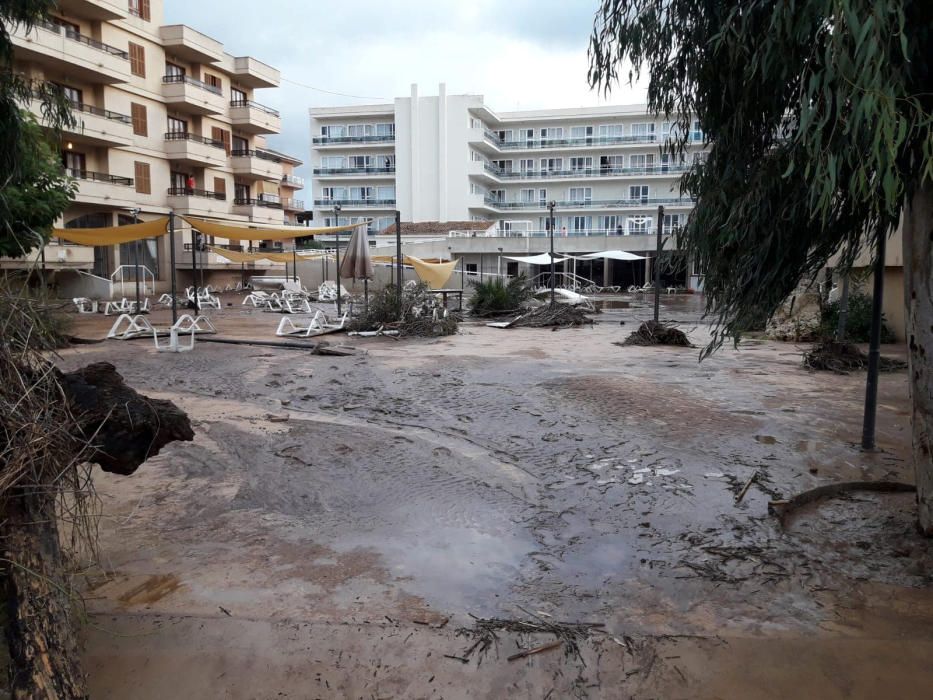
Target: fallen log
{"points": [[782, 508]]}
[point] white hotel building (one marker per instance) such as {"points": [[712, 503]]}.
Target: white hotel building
{"points": [[451, 158]]}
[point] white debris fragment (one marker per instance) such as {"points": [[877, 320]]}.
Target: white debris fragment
{"points": [[666, 472], [636, 479], [714, 475]]}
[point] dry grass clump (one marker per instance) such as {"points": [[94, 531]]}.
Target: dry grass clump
{"points": [[557, 316], [421, 314], [832, 356], [654, 333]]}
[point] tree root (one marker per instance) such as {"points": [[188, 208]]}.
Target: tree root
{"points": [[783, 508]]}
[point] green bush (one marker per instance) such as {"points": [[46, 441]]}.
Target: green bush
{"points": [[858, 323], [495, 297]]}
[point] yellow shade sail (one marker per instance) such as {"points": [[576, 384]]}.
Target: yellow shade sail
{"points": [[435, 275], [262, 233], [113, 235]]}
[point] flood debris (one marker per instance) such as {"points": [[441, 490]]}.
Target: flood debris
{"points": [[420, 314], [842, 358], [748, 484], [485, 635], [552, 316], [656, 333], [783, 508]]}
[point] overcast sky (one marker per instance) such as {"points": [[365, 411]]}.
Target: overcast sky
{"points": [[518, 54]]}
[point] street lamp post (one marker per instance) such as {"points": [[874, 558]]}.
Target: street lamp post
{"points": [[337, 248], [135, 213], [551, 206]]}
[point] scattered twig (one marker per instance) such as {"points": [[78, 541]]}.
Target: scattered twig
{"points": [[741, 494], [537, 650]]}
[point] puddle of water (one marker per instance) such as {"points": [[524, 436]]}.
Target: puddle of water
{"points": [[605, 304]]}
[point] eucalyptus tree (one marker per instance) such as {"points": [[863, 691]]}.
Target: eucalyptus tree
{"points": [[818, 113]]}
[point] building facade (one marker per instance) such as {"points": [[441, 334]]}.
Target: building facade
{"points": [[450, 157], [166, 121]]}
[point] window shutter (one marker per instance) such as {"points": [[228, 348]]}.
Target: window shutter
{"points": [[220, 186], [144, 11], [143, 179], [137, 60], [140, 119]]}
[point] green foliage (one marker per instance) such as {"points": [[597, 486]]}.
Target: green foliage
{"points": [[858, 320], [417, 313], [495, 297], [33, 190], [819, 115]]}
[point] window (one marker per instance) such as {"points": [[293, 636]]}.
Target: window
{"points": [[527, 196], [581, 224], [581, 164], [696, 133], [638, 193], [497, 195], [584, 133], [639, 224], [73, 95], [75, 164], [611, 131], [385, 129], [476, 189], [643, 131], [140, 8], [581, 195], [385, 192], [611, 164], [214, 82], [641, 162], [551, 165], [334, 131], [504, 166], [240, 191], [140, 119], [137, 60], [178, 180], [609, 224], [526, 135], [552, 133], [143, 178], [671, 222], [220, 187], [238, 97], [527, 165], [333, 162], [504, 135], [542, 198], [177, 126], [362, 193], [358, 130], [332, 193], [240, 145], [221, 135]]}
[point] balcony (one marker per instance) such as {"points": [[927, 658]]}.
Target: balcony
{"points": [[68, 52], [195, 150], [256, 165], [263, 209], [99, 127], [293, 181], [190, 45], [585, 173], [198, 202], [191, 95], [102, 189], [101, 10], [356, 203], [254, 74], [490, 137], [293, 204], [254, 118], [541, 205], [324, 141], [372, 172]]}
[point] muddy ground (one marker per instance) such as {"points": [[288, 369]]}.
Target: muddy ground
{"points": [[339, 521]]}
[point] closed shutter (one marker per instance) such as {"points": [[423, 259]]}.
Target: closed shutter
{"points": [[140, 119], [143, 179], [221, 135], [220, 187], [137, 60], [144, 11]]}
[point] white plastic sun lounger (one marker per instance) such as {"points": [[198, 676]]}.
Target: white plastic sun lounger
{"points": [[126, 327], [85, 305]]}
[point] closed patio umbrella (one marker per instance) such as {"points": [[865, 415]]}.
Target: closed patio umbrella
{"points": [[357, 262]]}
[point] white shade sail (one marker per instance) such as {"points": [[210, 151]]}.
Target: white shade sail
{"points": [[613, 254], [542, 259]]}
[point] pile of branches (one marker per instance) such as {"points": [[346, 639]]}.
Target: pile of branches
{"points": [[832, 356], [421, 313], [655, 333], [485, 634], [495, 298], [558, 316]]}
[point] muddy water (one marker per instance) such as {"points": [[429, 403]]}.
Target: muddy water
{"points": [[501, 472]]}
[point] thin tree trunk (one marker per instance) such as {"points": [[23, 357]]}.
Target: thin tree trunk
{"points": [[40, 628], [918, 296]]}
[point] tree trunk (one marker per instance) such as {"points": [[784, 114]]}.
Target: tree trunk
{"points": [[41, 632], [918, 297]]}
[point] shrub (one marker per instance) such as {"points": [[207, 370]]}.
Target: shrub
{"points": [[495, 297], [858, 322]]}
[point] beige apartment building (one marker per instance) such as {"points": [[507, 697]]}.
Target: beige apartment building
{"points": [[166, 121]]}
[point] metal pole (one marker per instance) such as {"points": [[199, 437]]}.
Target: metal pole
{"points": [[843, 310], [294, 266], [171, 253], [553, 272], [136, 261], [337, 248], [874, 348], [400, 276], [462, 277], [365, 295], [657, 267], [194, 271], [42, 268]]}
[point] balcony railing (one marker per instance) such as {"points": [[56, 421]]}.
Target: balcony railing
{"points": [[355, 171], [99, 177], [294, 204], [105, 113], [515, 144], [187, 136], [254, 105], [258, 202], [590, 203], [543, 233], [81, 39], [193, 192], [181, 78], [380, 138], [583, 172], [383, 203], [249, 153], [293, 180]]}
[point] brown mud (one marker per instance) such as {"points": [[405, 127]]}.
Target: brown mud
{"points": [[509, 474]]}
